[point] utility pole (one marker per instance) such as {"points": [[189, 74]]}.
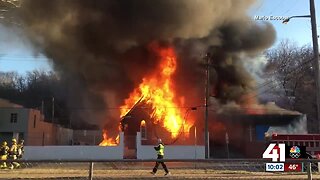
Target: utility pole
{"points": [[42, 107], [52, 113], [206, 132], [227, 144], [316, 58]]}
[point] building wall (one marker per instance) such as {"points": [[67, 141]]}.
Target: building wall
{"points": [[9, 129], [64, 136], [40, 133], [22, 119], [171, 152], [74, 152], [87, 137], [30, 126]]}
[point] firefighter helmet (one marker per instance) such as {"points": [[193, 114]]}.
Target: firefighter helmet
{"points": [[14, 140], [4, 143]]}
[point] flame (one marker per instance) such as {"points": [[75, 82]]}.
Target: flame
{"points": [[157, 90], [143, 123], [109, 141]]}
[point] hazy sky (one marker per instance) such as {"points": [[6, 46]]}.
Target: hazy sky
{"points": [[16, 54]]}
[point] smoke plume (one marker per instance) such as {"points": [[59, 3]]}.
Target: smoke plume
{"points": [[298, 126], [101, 46]]}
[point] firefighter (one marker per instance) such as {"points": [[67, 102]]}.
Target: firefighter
{"points": [[13, 152], [4, 149], [20, 149], [160, 153]]}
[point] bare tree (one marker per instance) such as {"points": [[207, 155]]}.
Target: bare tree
{"points": [[37, 87], [290, 69]]}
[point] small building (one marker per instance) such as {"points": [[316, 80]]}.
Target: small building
{"points": [[19, 122], [242, 134]]}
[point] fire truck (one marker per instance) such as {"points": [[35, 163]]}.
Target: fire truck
{"points": [[310, 141]]}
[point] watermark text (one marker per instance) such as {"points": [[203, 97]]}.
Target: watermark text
{"points": [[270, 18]]}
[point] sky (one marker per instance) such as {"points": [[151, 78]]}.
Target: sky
{"points": [[16, 53], [297, 29]]}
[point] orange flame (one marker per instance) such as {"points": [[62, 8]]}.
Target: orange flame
{"points": [[143, 123], [109, 141], [157, 90]]}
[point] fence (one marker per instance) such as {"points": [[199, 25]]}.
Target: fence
{"points": [[73, 152], [171, 151], [140, 169]]}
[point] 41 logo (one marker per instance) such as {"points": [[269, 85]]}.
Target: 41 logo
{"points": [[275, 152]]}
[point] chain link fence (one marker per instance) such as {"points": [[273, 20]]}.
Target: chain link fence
{"points": [[140, 169]]}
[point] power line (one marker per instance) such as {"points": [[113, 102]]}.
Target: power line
{"points": [[290, 8], [297, 68], [200, 106], [259, 7], [273, 86], [253, 108], [118, 108], [17, 60], [279, 5], [22, 55]]}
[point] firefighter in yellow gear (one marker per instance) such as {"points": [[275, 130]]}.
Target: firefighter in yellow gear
{"points": [[13, 152], [160, 153], [20, 149], [4, 149]]}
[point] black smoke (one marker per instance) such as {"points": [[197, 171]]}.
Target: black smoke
{"points": [[101, 46]]}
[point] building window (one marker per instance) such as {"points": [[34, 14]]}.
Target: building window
{"points": [[34, 121], [143, 129], [14, 118], [306, 144]]}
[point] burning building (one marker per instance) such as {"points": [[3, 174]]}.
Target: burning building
{"points": [[156, 99], [141, 61], [241, 134]]}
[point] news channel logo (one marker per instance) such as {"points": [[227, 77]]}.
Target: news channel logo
{"points": [[295, 152], [278, 153]]}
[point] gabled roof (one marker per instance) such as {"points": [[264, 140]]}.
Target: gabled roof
{"points": [[7, 104]]}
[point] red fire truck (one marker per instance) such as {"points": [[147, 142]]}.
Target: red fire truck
{"points": [[311, 141]]}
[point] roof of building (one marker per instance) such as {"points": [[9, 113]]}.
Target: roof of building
{"points": [[7, 104]]}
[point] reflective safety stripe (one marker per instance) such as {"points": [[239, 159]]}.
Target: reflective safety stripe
{"points": [[3, 157], [161, 150], [13, 150]]}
